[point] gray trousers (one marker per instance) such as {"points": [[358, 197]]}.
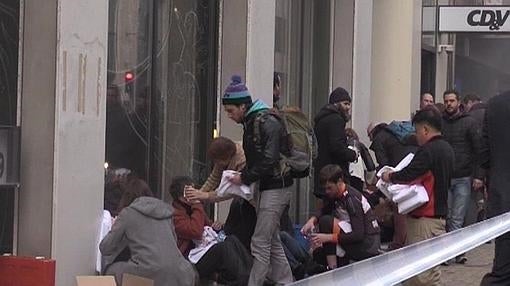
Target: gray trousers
{"points": [[266, 247]]}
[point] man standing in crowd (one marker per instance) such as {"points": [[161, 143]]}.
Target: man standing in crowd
{"points": [[476, 211], [331, 138], [460, 130], [426, 99], [262, 150], [469, 101], [495, 157], [432, 166]]}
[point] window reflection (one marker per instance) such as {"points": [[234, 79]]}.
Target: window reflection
{"points": [[161, 106], [9, 43], [302, 42]]}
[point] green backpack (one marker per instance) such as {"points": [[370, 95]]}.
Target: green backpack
{"points": [[302, 144]]}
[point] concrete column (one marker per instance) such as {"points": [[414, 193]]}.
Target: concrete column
{"points": [[63, 129], [443, 57], [341, 41], [396, 58], [260, 49], [232, 56], [362, 68], [246, 49]]}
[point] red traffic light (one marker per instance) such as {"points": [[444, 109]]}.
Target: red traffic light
{"points": [[128, 76]]}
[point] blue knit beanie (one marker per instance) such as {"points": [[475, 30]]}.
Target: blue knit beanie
{"points": [[236, 92]]}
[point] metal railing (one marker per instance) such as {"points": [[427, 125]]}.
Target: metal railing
{"points": [[397, 266]]}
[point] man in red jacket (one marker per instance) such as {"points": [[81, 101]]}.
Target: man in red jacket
{"points": [[432, 166]]}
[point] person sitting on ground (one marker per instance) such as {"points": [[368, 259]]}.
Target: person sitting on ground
{"points": [[242, 216], [227, 262], [346, 220], [144, 226]]}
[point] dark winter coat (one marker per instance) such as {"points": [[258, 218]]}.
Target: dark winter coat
{"points": [[432, 167], [146, 228], [461, 131], [389, 151], [263, 154], [332, 143], [353, 207], [478, 113], [495, 154]]}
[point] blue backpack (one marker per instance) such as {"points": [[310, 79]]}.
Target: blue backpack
{"points": [[401, 129]]}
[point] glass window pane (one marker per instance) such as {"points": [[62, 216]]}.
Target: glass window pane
{"points": [[302, 31], [161, 108], [9, 49]]}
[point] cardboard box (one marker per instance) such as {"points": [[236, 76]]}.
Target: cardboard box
{"points": [[127, 280], [133, 280], [95, 281]]}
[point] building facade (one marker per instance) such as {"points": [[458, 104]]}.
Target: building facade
{"points": [[136, 84]]}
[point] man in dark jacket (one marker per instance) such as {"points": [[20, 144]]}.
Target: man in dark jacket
{"points": [[432, 166], [331, 138], [460, 130], [263, 142], [495, 157], [477, 207], [346, 220]]}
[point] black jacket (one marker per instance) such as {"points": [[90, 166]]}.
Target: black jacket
{"points": [[461, 131], [389, 151], [432, 166], [362, 218], [329, 129], [478, 113], [263, 154], [495, 153]]}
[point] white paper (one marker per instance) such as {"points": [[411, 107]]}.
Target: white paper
{"points": [[345, 226], [414, 202], [228, 188], [106, 226], [407, 197], [402, 193], [209, 238]]}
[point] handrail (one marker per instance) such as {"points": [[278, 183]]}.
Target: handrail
{"points": [[399, 265]]}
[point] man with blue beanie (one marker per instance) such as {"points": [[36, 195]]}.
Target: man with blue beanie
{"points": [[262, 148]]}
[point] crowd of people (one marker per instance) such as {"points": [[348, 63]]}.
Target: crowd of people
{"points": [[177, 243]]}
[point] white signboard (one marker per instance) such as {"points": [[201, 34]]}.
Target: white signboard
{"points": [[488, 19]]}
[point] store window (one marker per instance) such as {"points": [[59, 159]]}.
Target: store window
{"points": [[161, 106], [302, 60], [476, 62], [9, 49]]}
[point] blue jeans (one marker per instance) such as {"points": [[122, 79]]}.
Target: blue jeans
{"points": [[296, 254], [459, 197]]}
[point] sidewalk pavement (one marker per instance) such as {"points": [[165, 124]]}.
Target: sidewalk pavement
{"points": [[470, 274]]}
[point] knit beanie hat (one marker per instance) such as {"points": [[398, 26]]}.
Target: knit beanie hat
{"points": [[236, 92], [339, 95]]}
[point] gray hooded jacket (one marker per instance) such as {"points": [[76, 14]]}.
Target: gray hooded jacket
{"points": [[146, 228]]}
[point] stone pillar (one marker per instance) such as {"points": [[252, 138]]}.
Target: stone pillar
{"points": [[362, 69], [63, 132], [396, 61], [246, 49]]}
